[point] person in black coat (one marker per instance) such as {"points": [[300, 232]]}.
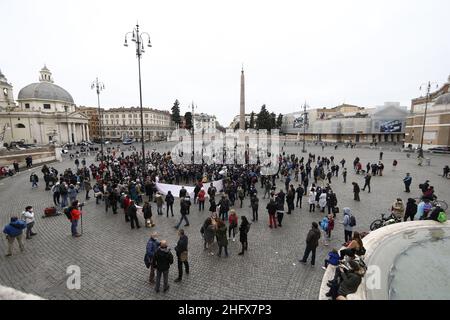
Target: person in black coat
{"points": [[312, 242], [411, 209], [280, 206], [356, 191], [132, 214], [244, 228], [181, 250], [161, 262], [169, 202], [300, 191], [147, 211]]}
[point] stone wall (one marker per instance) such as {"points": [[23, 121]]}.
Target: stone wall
{"points": [[39, 155]]}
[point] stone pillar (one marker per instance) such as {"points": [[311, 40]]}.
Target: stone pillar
{"points": [[87, 133], [69, 138], [74, 128], [242, 106]]}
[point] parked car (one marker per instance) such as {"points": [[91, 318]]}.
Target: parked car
{"points": [[127, 141], [440, 150]]}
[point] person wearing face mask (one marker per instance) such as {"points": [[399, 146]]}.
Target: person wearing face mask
{"points": [[28, 217]]}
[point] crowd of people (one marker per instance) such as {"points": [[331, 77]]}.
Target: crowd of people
{"points": [[118, 182]]}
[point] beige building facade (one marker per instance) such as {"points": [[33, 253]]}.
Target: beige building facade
{"points": [[437, 122]]}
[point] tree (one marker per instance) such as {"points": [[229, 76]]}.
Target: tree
{"points": [[252, 121], [279, 121], [273, 121], [188, 120], [263, 119], [176, 118]]}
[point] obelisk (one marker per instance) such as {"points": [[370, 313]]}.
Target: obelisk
{"points": [[242, 110]]}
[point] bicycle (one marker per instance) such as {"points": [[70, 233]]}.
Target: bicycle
{"points": [[384, 221]]}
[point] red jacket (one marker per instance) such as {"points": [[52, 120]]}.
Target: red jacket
{"points": [[233, 220], [126, 202], [75, 213], [201, 195]]}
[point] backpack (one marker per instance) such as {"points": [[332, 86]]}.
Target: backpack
{"points": [[324, 224], [352, 222], [248, 228], [442, 217], [68, 212]]}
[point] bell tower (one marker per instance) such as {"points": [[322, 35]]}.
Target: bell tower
{"points": [[46, 75], [6, 93]]}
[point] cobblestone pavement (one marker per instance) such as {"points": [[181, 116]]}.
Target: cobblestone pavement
{"points": [[110, 254]]}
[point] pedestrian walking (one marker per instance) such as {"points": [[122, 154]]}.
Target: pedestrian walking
{"points": [[347, 222], [56, 194], [312, 242], [28, 217], [233, 224], [367, 181], [169, 203], [312, 200], [132, 214], [222, 241], [14, 231], [356, 191], [344, 175], [162, 260], [201, 199], [184, 211], [299, 191], [181, 249], [75, 216], [243, 234], [407, 181], [254, 202], [152, 247], [34, 179]]}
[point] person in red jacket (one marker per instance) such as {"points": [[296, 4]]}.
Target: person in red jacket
{"points": [[126, 204], [76, 215], [233, 221], [201, 200]]}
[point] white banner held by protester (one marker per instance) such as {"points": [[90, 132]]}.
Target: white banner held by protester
{"points": [[175, 189]]}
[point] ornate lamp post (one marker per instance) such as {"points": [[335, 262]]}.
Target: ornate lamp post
{"points": [[305, 123], [428, 88], [137, 37], [99, 86]]}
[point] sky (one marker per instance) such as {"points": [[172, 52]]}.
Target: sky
{"points": [[324, 52]]}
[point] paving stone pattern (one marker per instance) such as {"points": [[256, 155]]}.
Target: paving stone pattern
{"points": [[110, 254]]}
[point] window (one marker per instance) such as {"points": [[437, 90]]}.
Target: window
{"points": [[20, 125], [46, 106], [146, 115], [27, 106]]}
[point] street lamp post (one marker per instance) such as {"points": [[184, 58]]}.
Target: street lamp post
{"points": [[305, 122], [99, 86], [193, 132], [137, 38], [428, 88]]}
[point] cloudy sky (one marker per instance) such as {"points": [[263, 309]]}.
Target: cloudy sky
{"points": [[325, 52]]}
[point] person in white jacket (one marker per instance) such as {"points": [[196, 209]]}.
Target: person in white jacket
{"points": [[28, 217], [323, 201], [312, 200]]}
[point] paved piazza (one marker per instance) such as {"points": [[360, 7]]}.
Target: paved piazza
{"points": [[110, 254]]}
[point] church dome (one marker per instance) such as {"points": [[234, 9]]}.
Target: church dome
{"points": [[443, 100], [45, 89]]}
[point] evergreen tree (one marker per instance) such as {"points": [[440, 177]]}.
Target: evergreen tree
{"points": [[273, 121], [176, 118], [188, 120], [252, 121], [263, 119], [279, 121]]}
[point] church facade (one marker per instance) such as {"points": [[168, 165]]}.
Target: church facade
{"points": [[44, 113]]}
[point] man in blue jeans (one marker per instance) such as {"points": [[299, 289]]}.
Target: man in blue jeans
{"points": [[184, 210]]}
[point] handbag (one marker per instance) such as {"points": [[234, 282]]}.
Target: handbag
{"points": [[335, 210], [183, 256]]}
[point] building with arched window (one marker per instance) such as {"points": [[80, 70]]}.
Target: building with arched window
{"points": [[44, 113]]}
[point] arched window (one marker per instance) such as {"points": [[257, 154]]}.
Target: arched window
{"points": [[20, 125]]}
